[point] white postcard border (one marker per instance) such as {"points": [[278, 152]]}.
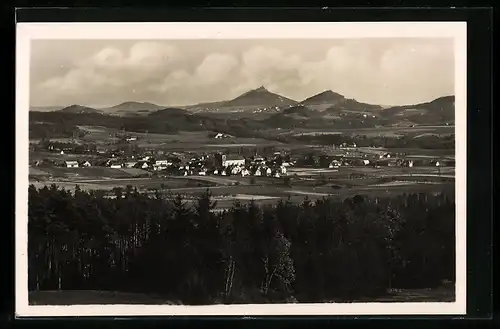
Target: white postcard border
{"points": [[29, 31]]}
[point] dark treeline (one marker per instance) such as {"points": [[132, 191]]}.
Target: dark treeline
{"points": [[330, 250], [60, 124], [53, 130]]}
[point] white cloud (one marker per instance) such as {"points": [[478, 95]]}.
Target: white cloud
{"points": [[384, 72], [110, 69], [215, 68]]}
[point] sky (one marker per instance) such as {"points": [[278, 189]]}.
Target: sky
{"points": [[101, 73]]}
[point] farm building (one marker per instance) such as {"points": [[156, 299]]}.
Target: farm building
{"points": [[71, 164], [130, 164], [85, 163], [232, 160], [143, 165], [161, 164], [236, 170], [116, 166]]}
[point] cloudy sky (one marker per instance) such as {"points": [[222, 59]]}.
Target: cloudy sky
{"points": [[183, 72]]}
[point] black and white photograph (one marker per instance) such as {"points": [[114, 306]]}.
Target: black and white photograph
{"points": [[240, 168]]}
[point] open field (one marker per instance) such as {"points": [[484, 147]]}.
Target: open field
{"points": [[378, 130], [311, 182], [181, 140], [217, 180], [105, 135], [38, 155], [81, 173]]}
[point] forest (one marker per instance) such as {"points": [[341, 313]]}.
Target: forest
{"points": [[331, 250]]}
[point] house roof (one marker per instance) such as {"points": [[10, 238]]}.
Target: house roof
{"points": [[234, 157], [71, 162]]}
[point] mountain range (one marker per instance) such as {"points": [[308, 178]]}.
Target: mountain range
{"points": [[263, 104]]}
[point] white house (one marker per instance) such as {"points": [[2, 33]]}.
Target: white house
{"points": [[233, 161], [277, 175], [71, 164], [116, 166], [223, 173], [86, 164], [269, 172], [145, 165], [283, 170], [235, 170], [216, 172], [245, 172], [163, 163], [130, 164], [258, 172], [410, 163], [366, 162]]}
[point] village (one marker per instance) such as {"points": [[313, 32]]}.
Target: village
{"points": [[277, 164]]}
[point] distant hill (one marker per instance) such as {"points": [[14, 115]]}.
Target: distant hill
{"points": [[168, 112], [352, 105], [335, 103], [203, 107], [79, 109], [136, 106], [326, 97], [440, 110], [46, 108], [132, 108], [259, 97]]}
